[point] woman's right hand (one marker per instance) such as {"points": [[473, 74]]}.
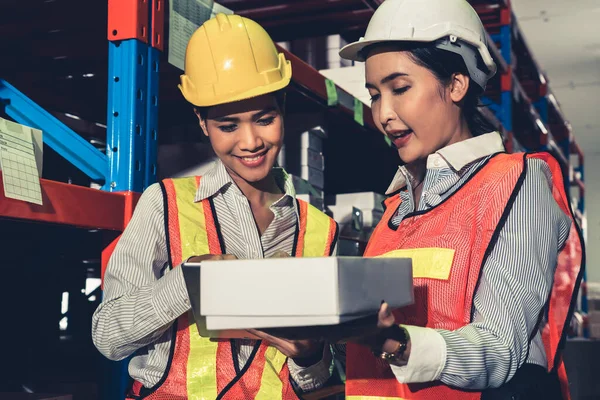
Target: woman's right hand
{"points": [[211, 257]]}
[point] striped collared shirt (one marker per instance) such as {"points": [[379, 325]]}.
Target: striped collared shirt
{"points": [[515, 282], [143, 297]]}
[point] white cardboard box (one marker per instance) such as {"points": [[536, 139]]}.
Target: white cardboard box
{"points": [[316, 201], [343, 214], [309, 140], [312, 159], [274, 293], [314, 176], [362, 200]]}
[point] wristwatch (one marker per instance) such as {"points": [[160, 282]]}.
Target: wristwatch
{"points": [[394, 332]]}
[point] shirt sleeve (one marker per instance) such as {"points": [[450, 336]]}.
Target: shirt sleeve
{"points": [[515, 283], [142, 296], [315, 376]]}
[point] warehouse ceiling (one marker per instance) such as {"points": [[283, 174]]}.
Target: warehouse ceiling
{"points": [[564, 36]]}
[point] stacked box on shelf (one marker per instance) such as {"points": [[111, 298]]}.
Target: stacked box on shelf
{"points": [[592, 310], [369, 204], [308, 176], [357, 215], [307, 192], [312, 164]]}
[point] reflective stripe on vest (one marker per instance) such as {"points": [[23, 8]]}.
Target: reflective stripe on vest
{"points": [[201, 368], [317, 232], [449, 244]]}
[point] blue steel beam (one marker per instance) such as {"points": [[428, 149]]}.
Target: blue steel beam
{"points": [[126, 115], [504, 40], [125, 146], [152, 84], [57, 135], [503, 111], [542, 108], [492, 105], [505, 44], [152, 117]]}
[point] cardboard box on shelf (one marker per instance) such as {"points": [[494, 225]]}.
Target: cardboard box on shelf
{"points": [[302, 186], [313, 200], [594, 331], [362, 200], [309, 140], [345, 215], [314, 176], [593, 296], [281, 157], [239, 294], [312, 159], [594, 317], [593, 305]]}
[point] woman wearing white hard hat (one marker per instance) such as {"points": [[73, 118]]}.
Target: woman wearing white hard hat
{"points": [[484, 228]]}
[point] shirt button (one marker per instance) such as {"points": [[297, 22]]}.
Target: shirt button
{"points": [[170, 313], [187, 302], [437, 162]]}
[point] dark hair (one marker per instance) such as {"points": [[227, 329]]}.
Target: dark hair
{"points": [[279, 95], [443, 64]]}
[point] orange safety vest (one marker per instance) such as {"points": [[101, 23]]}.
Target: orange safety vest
{"points": [[448, 245], [206, 369]]}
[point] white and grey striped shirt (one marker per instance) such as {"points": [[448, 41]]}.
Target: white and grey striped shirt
{"points": [[142, 297], [515, 282]]}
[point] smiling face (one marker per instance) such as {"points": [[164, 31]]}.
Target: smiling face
{"points": [[411, 106], [246, 135]]}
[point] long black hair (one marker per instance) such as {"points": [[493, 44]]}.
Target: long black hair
{"points": [[443, 64]]}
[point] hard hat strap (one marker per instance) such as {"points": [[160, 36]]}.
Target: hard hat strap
{"points": [[469, 54]]}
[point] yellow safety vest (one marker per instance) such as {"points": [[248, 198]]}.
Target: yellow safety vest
{"points": [[203, 368]]}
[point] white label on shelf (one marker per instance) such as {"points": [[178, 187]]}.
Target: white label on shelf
{"points": [[185, 16], [20, 171]]}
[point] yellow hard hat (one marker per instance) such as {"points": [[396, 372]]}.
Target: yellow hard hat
{"points": [[231, 58]]}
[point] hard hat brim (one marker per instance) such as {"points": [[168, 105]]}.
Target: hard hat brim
{"points": [[353, 51], [209, 101]]}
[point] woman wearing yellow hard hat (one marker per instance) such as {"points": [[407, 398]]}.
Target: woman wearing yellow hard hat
{"points": [[241, 208], [484, 228]]}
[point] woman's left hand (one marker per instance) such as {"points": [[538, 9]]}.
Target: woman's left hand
{"points": [[304, 352], [385, 319]]}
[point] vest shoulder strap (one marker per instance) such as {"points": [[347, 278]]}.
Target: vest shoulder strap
{"points": [[317, 232], [191, 226]]}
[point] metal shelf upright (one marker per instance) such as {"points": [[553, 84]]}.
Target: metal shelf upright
{"points": [[135, 34], [135, 39], [496, 17]]}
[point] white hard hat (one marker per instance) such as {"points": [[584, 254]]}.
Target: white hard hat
{"points": [[452, 24]]}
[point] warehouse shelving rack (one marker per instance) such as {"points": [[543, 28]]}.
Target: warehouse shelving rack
{"points": [[135, 34], [136, 38]]}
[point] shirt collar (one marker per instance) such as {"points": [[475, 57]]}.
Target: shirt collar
{"points": [[455, 156], [213, 181], [217, 179]]}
